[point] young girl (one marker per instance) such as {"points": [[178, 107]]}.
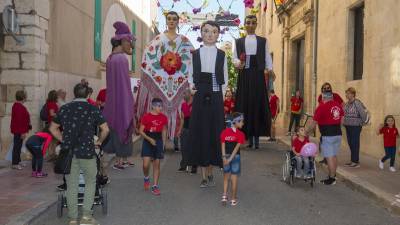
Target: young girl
{"points": [[298, 142], [153, 128], [186, 109], [37, 145], [390, 133], [231, 139], [229, 103]]}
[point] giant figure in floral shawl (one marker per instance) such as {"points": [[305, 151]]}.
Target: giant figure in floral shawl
{"points": [[166, 68], [118, 109]]}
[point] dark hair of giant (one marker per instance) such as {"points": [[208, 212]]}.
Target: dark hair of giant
{"points": [[250, 17], [211, 23]]}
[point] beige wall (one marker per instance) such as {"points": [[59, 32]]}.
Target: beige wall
{"points": [[381, 79]]}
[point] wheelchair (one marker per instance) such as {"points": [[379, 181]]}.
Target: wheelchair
{"points": [[289, 169]]}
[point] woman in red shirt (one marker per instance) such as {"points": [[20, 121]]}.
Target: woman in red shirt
{"points": [[51, 105], [390, 133], [295, 109], [20, 126]]}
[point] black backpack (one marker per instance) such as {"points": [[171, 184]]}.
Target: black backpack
{"points": [[43, 113]]}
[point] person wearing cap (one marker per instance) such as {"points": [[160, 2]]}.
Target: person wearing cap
{"points": [[354, 117], [119, 106], [328, 116]]}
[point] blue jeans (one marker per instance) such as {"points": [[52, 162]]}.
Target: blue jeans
{"points": [[300, 160], [353, 139], [390, 153], [37, 157]]}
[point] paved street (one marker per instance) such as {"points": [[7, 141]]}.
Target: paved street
{"points": [[263, 198]]}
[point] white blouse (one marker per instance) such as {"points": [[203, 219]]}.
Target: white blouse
{"points": [[250, 43], [208, 57]]}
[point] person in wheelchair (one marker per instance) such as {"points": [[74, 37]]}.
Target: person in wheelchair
{"points": [[302, 163]]}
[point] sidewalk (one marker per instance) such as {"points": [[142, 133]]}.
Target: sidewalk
{"points": [[22, 197], [381, 185]]}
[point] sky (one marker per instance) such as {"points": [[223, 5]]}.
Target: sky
{"points": [[182, 6]]}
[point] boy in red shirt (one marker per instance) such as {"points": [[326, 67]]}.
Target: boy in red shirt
{"points": [[231, 139], [20, 126], [298, 142], [329, 117], [274, 107], [153, 128], [390, 133], [296, 105]]}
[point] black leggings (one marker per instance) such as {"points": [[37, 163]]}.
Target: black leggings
{"points": [[37, 157], [294, 118]]}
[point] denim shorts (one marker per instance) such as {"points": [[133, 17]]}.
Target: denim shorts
{"points": [[154, 152], [234, 166], [330, 145]]}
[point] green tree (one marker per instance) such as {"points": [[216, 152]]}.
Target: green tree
{"points": [[232, 72]]}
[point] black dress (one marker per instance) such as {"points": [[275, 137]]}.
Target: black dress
{"points": [[251, 93], [207, 119]]}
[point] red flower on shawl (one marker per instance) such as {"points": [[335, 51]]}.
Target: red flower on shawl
{"points": [[180, 80], [144, 64], [158, 79], [171, 62], [151, 48]]}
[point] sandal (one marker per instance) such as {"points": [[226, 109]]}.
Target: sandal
{"points": [[234, 202], [224, 199], [128, 164]]}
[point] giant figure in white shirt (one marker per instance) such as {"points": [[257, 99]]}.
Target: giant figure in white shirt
{"points": [[251, 56]]}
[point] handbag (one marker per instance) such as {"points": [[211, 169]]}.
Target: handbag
{"points": [[63, 162]]}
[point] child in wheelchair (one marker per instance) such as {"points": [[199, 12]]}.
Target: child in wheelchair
{"points": [[303, 169]]}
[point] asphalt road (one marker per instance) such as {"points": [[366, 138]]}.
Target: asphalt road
{"points": [[263, 198]]}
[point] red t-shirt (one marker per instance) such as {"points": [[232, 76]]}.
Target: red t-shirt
{"points": [[336, 98], [20, 119], [389, 136], [229, 135], [298, 144], [101, 97], [329, 113], [296, 104], [273, 105], [154, 123], [186, 109], [92, 102], [51, 106], [229, 105]]}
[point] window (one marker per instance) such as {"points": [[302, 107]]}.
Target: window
{"points": [[358, 51]]}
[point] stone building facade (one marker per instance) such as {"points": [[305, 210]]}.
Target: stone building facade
{"points": [[354, 43], [65, 41]]}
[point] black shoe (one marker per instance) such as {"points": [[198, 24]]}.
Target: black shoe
{"points": [[257, 147], [177, 150], [181, 170], [329, 181], [193, 172], [204, 184], [249, 146], [62, 187]]}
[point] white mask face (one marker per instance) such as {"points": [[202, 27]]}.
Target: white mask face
{"points": [[209, 34]]}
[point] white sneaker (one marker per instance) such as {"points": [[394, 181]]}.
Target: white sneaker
{"points": [[392, 169], [397, 196], [381, 165]]}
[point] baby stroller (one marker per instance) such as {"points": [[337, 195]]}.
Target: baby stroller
{"points": [[100, 197], [289, 167]]}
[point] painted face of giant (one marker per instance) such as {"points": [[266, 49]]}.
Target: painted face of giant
{"points": [[172, 21], [209, 34], [127, 46], [250, 25]]}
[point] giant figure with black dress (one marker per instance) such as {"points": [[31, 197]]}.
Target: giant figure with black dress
{"points": [[251, 56]]}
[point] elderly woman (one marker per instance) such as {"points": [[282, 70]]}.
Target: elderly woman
{"points": [[354, 114]]}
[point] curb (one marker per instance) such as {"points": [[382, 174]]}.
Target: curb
{"points": [[29, 216], [358, 184]]}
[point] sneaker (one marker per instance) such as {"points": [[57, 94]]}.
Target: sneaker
{"points": [[118, 167], [128, 164], [348, 164], [33, 173], [211, 181], [381, 165], [397, 196], [62, 187], [181, 170], [16, 167], [146, 184], [41, 175], [329, 181], [73, 222], [204, 184], [86, 220], [355, 165], [155, 190], [392, 169]]}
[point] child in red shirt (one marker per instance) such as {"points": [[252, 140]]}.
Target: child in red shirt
{"points": [[37, 145], [390, 133], [229, 103], [296, 106], [20, 126], [231, 139], [297, 144], [153, 128]]}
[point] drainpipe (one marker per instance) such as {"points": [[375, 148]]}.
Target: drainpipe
{"points": [[314, 61]]}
